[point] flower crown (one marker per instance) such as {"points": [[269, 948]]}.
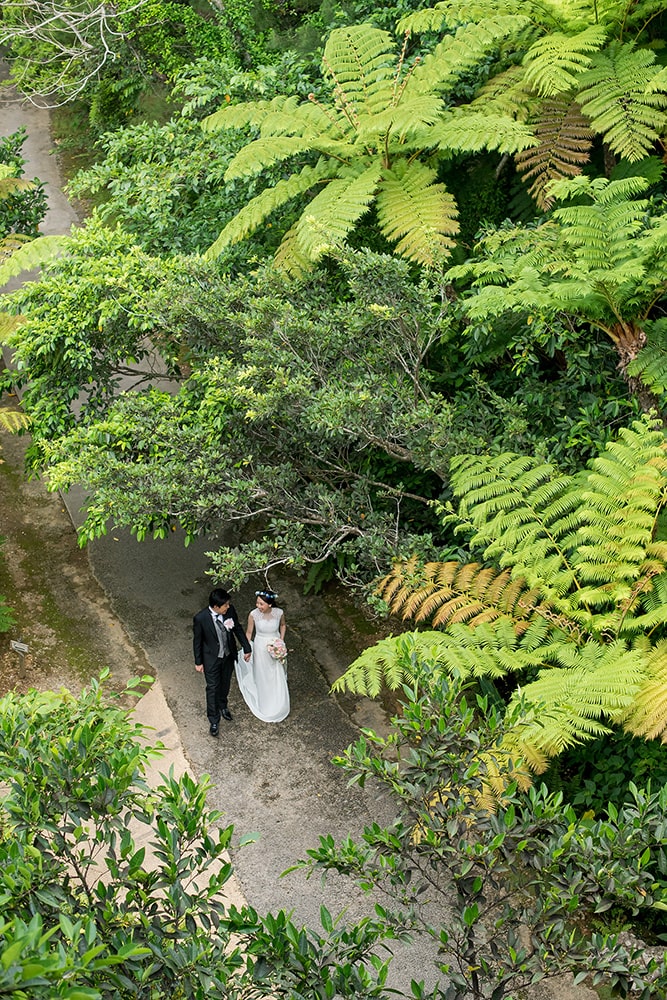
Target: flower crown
{"points": [[270, 594]]}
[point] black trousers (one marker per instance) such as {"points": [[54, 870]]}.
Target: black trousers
{"points": [[218, 679]]}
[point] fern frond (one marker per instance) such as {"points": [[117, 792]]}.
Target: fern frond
{"points": [[648, 715], [387, 663], [469, 132], [13, 420], [8, 324], [29, 255], [402, 121], [290, 259], [554, 62], [249, 113], [256, 156], [614, 96], [564, 142], [10, 185], [333, 212], [457, 54], [417, 213], [259, 208], [651, 363], [360, 60]]}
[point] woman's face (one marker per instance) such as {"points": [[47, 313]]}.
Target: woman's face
{"points": [[262, 605]]}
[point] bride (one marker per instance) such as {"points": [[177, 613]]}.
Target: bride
{"points": [[263, 679]]}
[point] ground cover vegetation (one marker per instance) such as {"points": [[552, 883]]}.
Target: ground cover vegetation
{"points": [[382, 293], [112, 888]]}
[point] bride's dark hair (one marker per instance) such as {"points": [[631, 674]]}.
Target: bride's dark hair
{"points": [[267, 595]]}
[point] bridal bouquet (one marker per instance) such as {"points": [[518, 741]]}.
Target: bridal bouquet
{"points": [[277, 649]]}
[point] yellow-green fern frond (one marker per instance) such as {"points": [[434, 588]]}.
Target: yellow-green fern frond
{"points": [[457, 54], [554, 63], [469, 132], [13, 420], [8, 324], [334, 211], [647, 716], [19, 255], [290, 258], [388, 663], [361, 62], [651, 363], [249, 113], [564, 143], [614, 96], [259, 208], [261, 153], [417, 213]]}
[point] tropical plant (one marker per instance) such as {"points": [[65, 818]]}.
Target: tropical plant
{"points": [[508, 895], [372, 144], [113, 889], [577, 71], [569, 604], [600, 261]]}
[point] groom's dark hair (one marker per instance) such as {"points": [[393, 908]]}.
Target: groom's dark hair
{"points": [[217, 598]]}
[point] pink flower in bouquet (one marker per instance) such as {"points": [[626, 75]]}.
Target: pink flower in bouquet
{"points": [[229, 624], [277, 649]]}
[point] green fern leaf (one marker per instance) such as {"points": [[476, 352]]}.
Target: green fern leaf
{"points": [[554, 63], [651, 363], [252, 113], [614, 96], [360, 60], [253, 158], [470, 132], [28, 255], [418, 214], [13, 420], [259, 208], [457, 54], [334, 211]]}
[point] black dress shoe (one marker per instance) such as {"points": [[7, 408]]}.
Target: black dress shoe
{"points": [[214, 729], [226, 714]]}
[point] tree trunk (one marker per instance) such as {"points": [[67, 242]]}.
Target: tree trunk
{"points": [[629, 339]]}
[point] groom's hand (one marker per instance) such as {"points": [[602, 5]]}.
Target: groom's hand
{"points": [[199, 667], [246, 656]]}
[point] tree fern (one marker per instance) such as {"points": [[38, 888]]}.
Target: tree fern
{"points": [[574, 52], [573, 590], [385, 113]]}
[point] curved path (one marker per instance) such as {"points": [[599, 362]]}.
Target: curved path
{"points": [[277, 780]]}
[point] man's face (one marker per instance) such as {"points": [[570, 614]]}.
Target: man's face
{"points": [[220, 609]]}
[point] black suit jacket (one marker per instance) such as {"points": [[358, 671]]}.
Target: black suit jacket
{"points": [[205, 645]]}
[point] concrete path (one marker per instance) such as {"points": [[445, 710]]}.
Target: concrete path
{"points": [[277, 780]]}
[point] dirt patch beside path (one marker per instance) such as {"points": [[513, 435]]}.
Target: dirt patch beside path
{"points": [[61, 612]]}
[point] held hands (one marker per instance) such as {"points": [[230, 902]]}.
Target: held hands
{"points": [[246, 656]]}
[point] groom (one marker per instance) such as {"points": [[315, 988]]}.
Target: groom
{"points": [[214, 647]]}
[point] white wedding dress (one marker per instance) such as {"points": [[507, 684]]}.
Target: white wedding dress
{"points": [[263, 680]]}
